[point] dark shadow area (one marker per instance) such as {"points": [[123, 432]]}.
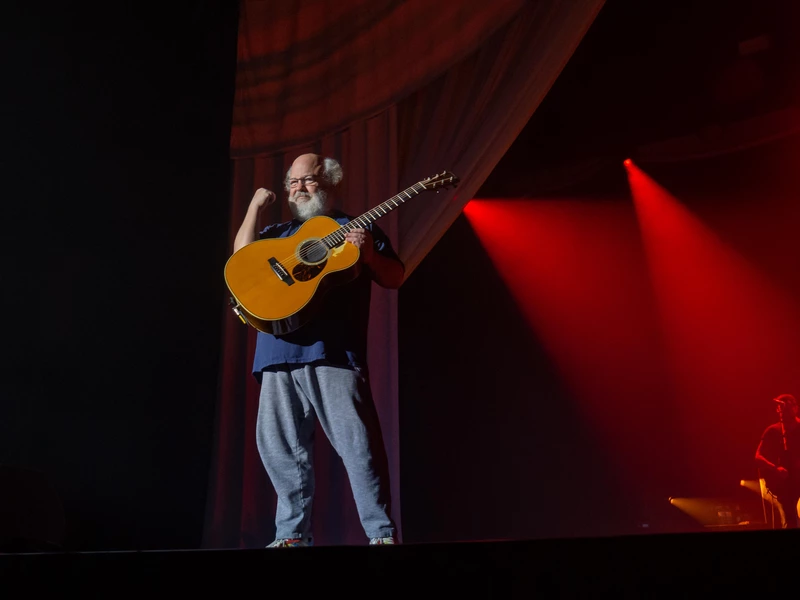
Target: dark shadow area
{"points": [[647, 72], [31, 512], [116, 126], [656, 566]]}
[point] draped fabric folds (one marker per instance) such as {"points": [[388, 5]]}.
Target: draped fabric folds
{"points": [[311, 67], [397, 91]]}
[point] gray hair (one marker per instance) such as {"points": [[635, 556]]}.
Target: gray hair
{"points": [[332, 173]]}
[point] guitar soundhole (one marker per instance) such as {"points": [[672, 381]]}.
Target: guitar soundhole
{"points": [[312, 252], [313, 255], [307, 272]]}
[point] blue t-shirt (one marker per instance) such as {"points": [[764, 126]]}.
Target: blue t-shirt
{"points": [[337, 333]]}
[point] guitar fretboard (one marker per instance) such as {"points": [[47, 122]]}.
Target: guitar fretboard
{"points": [[337, 237]]}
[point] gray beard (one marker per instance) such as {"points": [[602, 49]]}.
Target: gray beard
{"points": [[317, 205]]}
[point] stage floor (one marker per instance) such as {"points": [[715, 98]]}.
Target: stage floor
{"points": [[706, 564]]}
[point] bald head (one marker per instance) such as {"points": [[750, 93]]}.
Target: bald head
{"points": [[327, 171], [307, 164]]}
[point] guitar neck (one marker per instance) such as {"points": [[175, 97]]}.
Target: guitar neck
{"points": [[337, 237]]}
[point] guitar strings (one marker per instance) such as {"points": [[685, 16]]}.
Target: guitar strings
{"points": [[337, 237]]}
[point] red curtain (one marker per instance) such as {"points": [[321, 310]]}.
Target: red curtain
{"points": [[397, 91], [310, 67]]}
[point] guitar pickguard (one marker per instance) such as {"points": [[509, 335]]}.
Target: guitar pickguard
{"points": [[303, 272], [313, 256]]}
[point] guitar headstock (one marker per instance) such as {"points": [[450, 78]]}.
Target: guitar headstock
{"points": [[440, 180]]}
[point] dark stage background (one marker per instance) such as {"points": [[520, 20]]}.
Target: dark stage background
{"points": [[497, 442], [116, 175], [116, 124]]}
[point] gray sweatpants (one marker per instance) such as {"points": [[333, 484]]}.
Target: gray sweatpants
{"points": [[291, 400]]}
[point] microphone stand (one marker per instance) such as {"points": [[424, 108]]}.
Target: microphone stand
{"points": [[783, 427]]}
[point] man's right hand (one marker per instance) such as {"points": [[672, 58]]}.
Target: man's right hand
{"points": [[248, 230], [263, 197]]}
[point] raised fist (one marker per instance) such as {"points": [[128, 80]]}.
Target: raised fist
{"points": [[263, 197]]}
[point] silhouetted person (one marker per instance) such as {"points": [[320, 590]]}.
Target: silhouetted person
{"points": [[778, 460]]}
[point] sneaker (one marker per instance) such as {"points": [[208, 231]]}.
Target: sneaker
{"points": [[291, 543], [382, 541]]}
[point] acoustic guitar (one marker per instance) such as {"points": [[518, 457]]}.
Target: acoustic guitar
{"points": [[278, 284]]}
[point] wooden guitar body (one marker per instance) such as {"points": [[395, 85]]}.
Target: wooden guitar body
{"points": [[278, 283]]}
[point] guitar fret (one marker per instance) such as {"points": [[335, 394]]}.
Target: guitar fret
{"points": [[338, 237]]}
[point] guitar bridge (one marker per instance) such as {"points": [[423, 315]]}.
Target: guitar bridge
{"points": [[280, 271]]}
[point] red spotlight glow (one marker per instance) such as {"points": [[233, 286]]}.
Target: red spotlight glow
{"points": [[627, 162], [576, 271], [702, 287]]}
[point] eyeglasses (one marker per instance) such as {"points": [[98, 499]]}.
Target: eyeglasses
{"points": [[307, 181]]}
